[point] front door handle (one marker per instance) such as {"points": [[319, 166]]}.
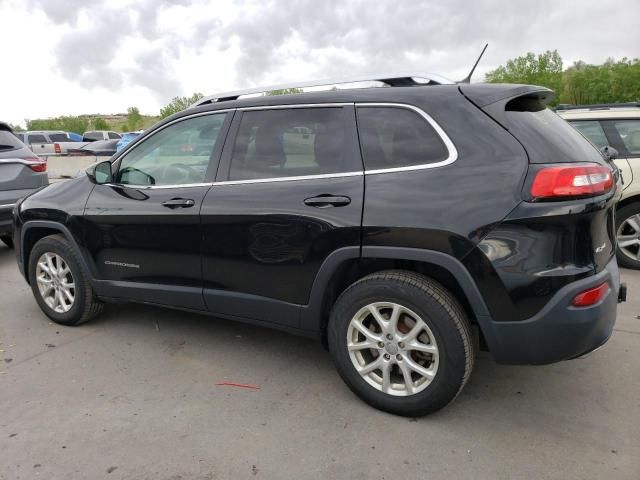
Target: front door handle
{"points": [[178, 203], [326, 201]]}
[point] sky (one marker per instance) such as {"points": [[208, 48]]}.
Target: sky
{"points": [[69, 57]]}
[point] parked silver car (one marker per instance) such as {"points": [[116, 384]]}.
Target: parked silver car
{"points": [[21, 172]]}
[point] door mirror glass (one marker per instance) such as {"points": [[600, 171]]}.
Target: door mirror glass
{"points": [[101, 173]]}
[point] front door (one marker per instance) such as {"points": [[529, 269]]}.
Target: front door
{"points": [[143, 230], [289, 191]]}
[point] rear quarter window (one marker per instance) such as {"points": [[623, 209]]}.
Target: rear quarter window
{"points": [[8, 141], [394, 137]]}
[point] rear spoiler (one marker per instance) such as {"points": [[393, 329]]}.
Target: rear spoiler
{"points": [[485, 94]]}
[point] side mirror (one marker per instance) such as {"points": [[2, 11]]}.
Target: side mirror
{"points": [[609, 152], [100, 172]]}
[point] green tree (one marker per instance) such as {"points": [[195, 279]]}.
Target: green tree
{"points": [[284, 91], [101, 124], [613, 81], [67, 124], [544, 69], [178, 104], [134, 119]]}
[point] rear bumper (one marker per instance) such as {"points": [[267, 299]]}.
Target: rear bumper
{"points": [[559, 331]]}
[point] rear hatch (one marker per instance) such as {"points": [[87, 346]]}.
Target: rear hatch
{"points": [[573, 221]]}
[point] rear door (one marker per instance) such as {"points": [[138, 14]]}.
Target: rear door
{"points": [[288, 193], [143, 230], [39, 144]]}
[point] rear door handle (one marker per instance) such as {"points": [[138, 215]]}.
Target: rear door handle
{"points": [[178, 203], [325, 201]]}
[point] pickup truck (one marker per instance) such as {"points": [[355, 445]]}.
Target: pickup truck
{"points": [[47, 142]]}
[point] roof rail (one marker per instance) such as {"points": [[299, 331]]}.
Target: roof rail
{"points": [[597, 106], [392, 80]]}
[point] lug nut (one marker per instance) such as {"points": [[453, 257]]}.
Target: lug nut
{"points": [[386, 356], [401, 345], [380, 344], [389, 336], [398, 357]]}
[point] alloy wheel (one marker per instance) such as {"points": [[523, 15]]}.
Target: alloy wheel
{"points": [[629, 237], [55, 282], [392, 348]]}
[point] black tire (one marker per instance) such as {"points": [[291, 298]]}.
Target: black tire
{"points": [[622, 215], [85, 306], [7, 240], [442, 313]]}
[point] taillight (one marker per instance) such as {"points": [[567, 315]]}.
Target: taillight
{"points": [[591, 296], [584, 180], [36, 164], [56, 147]]}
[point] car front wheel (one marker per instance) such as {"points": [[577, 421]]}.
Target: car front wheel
{"points": [[401, 342], [59, 283]]}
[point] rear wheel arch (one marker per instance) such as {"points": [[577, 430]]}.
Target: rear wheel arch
{"points": [[336, 276]]}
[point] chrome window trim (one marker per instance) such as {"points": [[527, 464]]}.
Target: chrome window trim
{"points": [[451, 148], [8, 205]]}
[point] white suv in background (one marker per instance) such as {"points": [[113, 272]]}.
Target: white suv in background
{"points": [[617, 126]]}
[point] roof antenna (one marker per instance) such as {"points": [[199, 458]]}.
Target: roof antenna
{"points": [[467, 79]]}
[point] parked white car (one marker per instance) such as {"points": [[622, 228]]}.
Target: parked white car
{"points": [[95, 135], [48, 142], [617, 126]]}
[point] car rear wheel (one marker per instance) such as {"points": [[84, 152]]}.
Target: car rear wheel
{"points": [[628, 233], [401, 342], [7, 240], [60, 284]]}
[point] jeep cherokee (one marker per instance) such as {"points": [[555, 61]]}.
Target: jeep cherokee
{"points": [[404, 227]]}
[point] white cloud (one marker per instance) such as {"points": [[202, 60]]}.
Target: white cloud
{"points": [[70, 57]]}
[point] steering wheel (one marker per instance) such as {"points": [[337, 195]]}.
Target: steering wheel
{"points": [[180, 173]]}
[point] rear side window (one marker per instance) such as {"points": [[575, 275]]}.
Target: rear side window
{"points": [[113, 135], [392, 137], [93, 135], [293, 142], [629, 131], [58, 137], [37, 139], [592, 130], [8, 141]]}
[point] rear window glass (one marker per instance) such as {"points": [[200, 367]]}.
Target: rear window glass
{"points": [[58, 137], [592, 130], [548, 138], [37, 139], [8, 141], [393, 137]]}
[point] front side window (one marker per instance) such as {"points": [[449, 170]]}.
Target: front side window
{"points": [[37, 139], [629, 131], [177, 155], [292, 142], [392, 137], [592, 130]]}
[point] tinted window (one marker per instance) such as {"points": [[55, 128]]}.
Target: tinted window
{"points": [[37, 139], [592, 130], [93, 136], [397, 137], [113, 135], [20, 136], [58, 137], [629, 131], [8, 141], [176, 155], [292, 142]]}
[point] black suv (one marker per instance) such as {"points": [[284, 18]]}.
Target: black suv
{"points": [[404, 227]]}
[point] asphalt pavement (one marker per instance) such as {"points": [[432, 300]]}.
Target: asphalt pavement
{"points": [[133, 395]]}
